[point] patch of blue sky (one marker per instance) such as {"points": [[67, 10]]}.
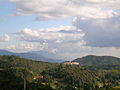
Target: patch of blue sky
{"points": [[10, 24]]}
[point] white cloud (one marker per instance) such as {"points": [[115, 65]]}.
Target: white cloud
{"points": [[61, 45], [54, 9], [5, 38], [55, 37], [100, 29], [109, 4], [100, 32], [97, 1], [56, 34], [59, 41], [25, 47]]}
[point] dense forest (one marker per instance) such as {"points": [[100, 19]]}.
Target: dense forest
{"points": [[24, 74], [14, 69], [98, 60]]}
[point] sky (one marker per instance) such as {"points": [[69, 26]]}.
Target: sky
{"points": [[72, 28]]}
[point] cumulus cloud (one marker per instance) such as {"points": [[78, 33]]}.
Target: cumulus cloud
{"points": [[110, 4], [54, 9], [56, 38], [25, 47], [5, 38], [100, 33], [53, 34], [96, 27]]}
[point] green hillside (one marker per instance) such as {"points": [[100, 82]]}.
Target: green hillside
{"points": [[13, 71], [16, 61], [98, 60], [67, 77], [16, 73], [72, 77]]}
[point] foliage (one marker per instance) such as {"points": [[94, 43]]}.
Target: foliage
{"points": [[71, 76], [14, 70], [98, 60], [16, 61]]}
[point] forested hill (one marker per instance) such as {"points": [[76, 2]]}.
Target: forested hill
{"points": [[16, 61], [98, 60], [16, 73]]}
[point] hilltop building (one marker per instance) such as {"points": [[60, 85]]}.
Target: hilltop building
{"points": [[71, 63]]}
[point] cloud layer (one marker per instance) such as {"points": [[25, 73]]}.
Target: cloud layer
{"points": [[53, 39], [25, 47], [100, 33], [54, 9], [95, 29], [61, 34]]}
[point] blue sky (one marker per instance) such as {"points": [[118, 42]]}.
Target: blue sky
{"points": [[69, 28], [13, 24]]}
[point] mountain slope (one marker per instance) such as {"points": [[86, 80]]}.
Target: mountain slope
{"points": [[56, 76], [36, 55], [5, 52], [14, 71], [16, 61], [48, 54], [98, 60], [68, 77]]}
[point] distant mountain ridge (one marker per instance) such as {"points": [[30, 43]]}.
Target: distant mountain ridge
{"points": [[36, 55], [48, 54], [54, 58], [5, 52], [98, 60]]}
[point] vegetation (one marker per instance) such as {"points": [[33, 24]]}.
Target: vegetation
{"points": [[98, 60], [11, 79], [16, 61], [23, 74], [13, 71], [82, 78], [72, 77]]}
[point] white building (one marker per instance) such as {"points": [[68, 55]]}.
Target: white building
{"points": [[71, 63]]}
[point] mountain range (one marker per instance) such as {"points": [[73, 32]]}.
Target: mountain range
{"points": [[54, 58], [37, 55]]}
